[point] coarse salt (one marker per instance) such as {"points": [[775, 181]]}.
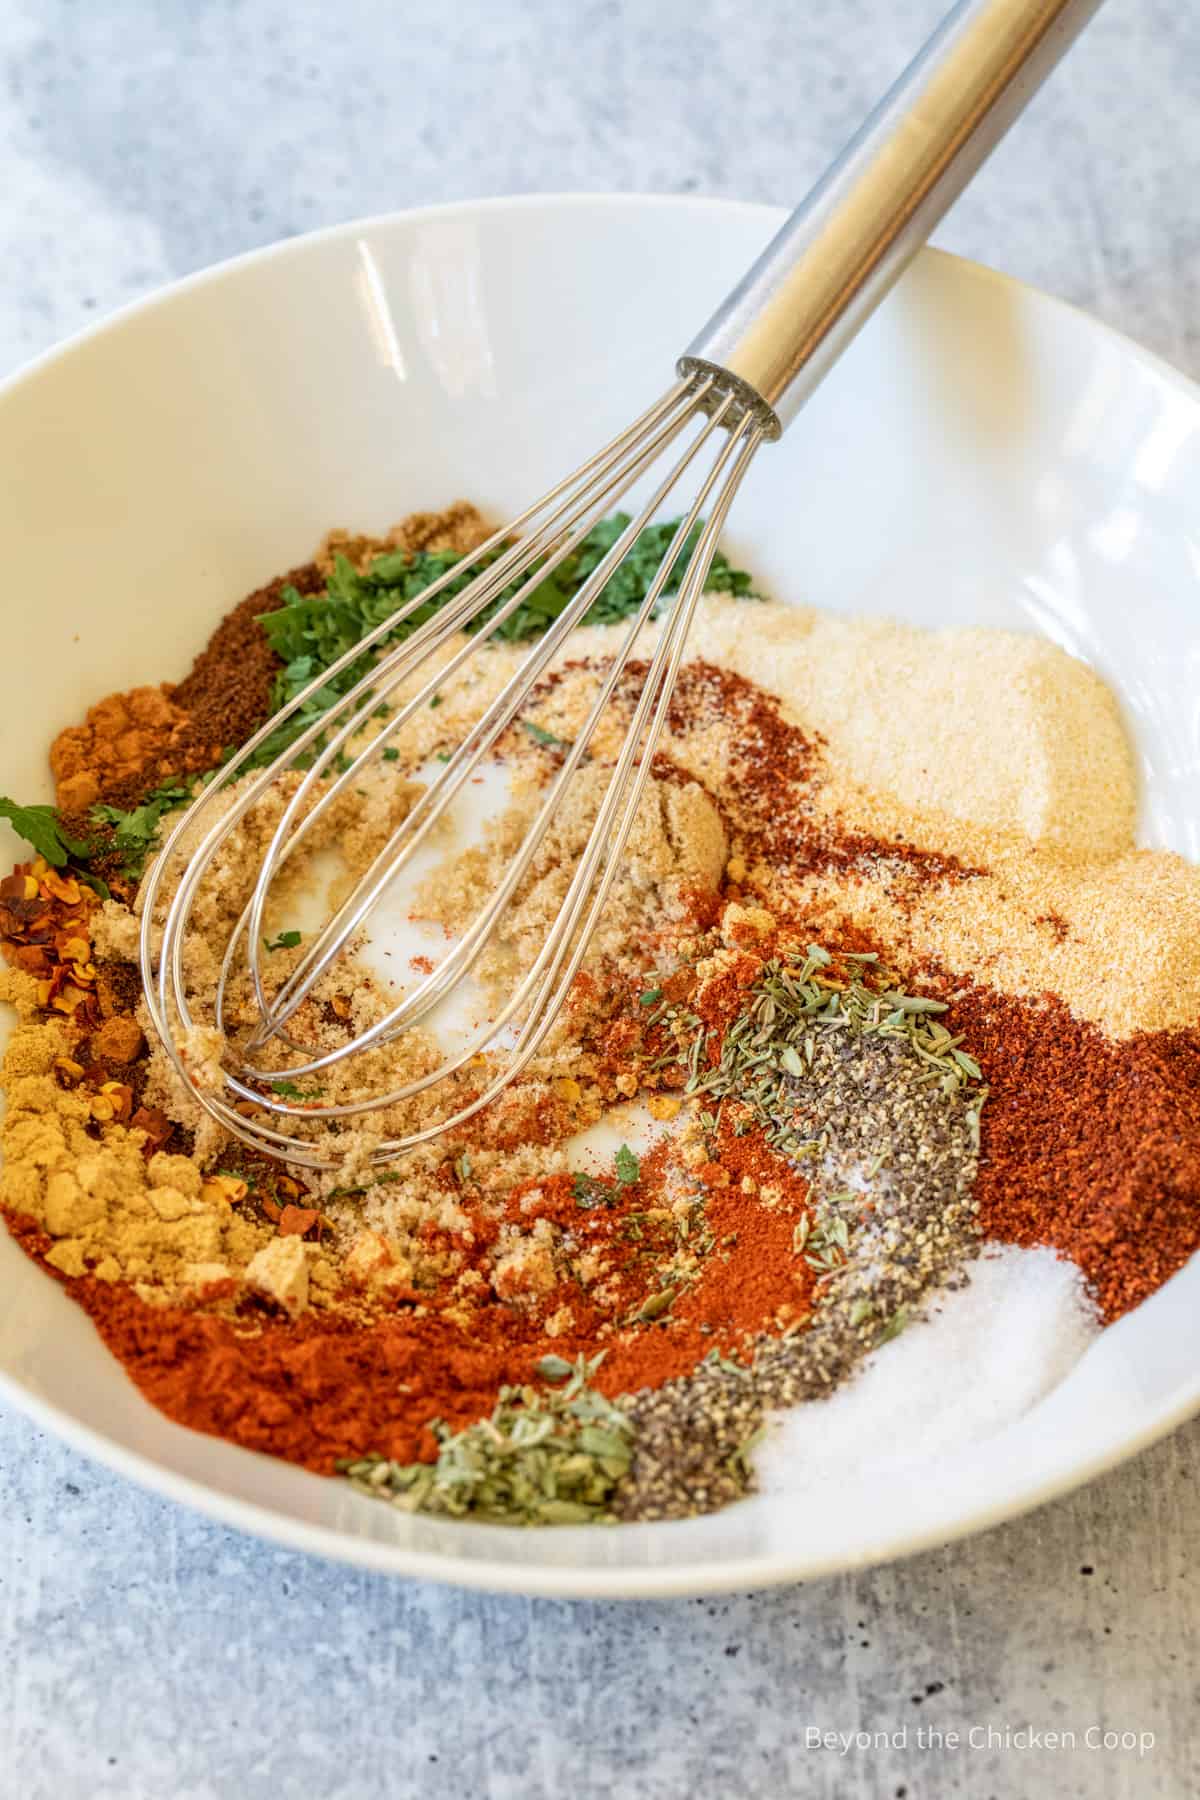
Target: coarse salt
{"points": [[978, 1359]]}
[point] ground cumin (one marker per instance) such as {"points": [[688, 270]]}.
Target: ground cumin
{"points": [[460, 527]]}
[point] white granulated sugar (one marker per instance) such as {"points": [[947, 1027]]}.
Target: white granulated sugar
{"points": [[975, 1362]]}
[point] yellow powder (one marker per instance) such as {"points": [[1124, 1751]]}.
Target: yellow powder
{"points": [[108, 1210], [1117, 937], [991, 747], [21, 992]]}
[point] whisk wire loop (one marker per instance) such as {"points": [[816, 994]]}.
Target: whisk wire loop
{"points": [[507, 570], [370, 691], [391, 860], [567, 942]]}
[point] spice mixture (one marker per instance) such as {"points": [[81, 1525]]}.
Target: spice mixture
{"points": [[882, 979]]}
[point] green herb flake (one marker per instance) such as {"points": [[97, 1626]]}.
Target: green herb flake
{"points": [[914, 1003], [42, 827], [589, 1192], [656, 1305], [555, 1368], [739, 1462], [98, 887], [547, 739], [135, 830], [627, 1166], [289, 1091], [894, 1326], [549, 1456], [310, 632], [287, 940]]}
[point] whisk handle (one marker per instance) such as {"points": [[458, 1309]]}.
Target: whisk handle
{"points": [[795, 310]]}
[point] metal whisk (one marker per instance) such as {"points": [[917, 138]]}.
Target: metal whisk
{"points": [[739, 385]]}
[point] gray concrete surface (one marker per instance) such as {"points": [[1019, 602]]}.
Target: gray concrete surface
{"points": [[146, 1655]]}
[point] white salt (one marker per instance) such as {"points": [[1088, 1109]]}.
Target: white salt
{"points": [[978, 1359]]}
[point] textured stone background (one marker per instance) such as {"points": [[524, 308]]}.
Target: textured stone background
{"points": [[146, 1655]]}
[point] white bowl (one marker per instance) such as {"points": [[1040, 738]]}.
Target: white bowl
{"points": [[983, 455]]}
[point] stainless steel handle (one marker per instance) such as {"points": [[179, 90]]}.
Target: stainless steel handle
{"points": [[815, 285]]}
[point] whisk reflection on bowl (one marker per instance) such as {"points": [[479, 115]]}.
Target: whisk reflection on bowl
{"points": [[740, 383]]}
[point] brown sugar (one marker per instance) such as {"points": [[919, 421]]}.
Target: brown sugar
{"points": [[119, 1040]]}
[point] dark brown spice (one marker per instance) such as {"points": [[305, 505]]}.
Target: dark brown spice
{"points": [[227, 695], [131, 743]]}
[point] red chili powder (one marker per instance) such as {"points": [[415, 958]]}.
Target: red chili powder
{"points": [[1089, 1145]]}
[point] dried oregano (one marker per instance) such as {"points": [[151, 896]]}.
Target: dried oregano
{"points": [[549, 1455]]}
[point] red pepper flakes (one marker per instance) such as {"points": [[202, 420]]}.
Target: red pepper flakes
{"points": [[298, 1221], [156, 1125]]}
